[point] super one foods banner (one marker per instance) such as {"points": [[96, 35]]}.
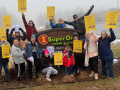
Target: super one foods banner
{"points": [[44, 39]]}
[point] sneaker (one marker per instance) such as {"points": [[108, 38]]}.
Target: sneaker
{"points": [[72, 74], [91, 75], [103, 77], [19, 79], [78, 71], [48, 79], [110, 78]]}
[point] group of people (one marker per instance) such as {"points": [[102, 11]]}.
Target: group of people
{"points": [[29, 51]]}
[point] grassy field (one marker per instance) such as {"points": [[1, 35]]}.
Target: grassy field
{"points": [[104, 84]]}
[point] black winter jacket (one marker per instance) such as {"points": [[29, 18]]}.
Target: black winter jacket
{"points": [[80, 25]]}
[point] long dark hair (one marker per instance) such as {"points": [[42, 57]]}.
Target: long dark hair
{"points": [[32, 22]]}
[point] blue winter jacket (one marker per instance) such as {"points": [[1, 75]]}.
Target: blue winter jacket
{"points": [[57, 26], [28, 50], [105, 52]]}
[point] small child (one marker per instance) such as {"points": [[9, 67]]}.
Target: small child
{"points": [[69, 60]]}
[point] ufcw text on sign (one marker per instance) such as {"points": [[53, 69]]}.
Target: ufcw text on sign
{"points": [[111, 19], [50, 12], [89, 23], [58, 59], [22, 6], [7, 21]]}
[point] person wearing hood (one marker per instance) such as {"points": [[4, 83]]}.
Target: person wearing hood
{"points": [[46, 65], [33, 50], [60, 24], [18, 57], [79, 24], [91, 56], [3, 62], [79, 57], [17, 35], [105, 52], [30, 27]]}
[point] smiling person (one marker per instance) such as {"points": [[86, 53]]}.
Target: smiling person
{"points": [[105, 52], [47, 66], [78, 24], [30, 27], [60, 24], [91, 56], [18, 57]]}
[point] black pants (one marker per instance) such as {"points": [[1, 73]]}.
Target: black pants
{"points": [[93, 62], [21, 68], [37, 66], [80, 60]]}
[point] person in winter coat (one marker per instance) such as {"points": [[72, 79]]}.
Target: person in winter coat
{"points": [[47, 66], [10, 37], [105, 52], [30, 27], [18, 57], [91, 55], [3, 62], [69, 60], [78, 24], [60, 24], [79, 57], [33, 50]]}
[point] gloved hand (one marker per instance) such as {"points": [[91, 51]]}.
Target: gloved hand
{"points": [[70, 53], [7, 30], [25, 56], [21, 29], [87, 40], [50, 65], [110, 30], [50, 20]]}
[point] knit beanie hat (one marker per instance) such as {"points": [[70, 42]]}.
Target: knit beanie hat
{"points": [[46, 51], [33, 36], [75, 34], [75, 16]]}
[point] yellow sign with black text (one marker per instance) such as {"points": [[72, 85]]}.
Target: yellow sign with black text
{"points": [[7, 21], [77, 46], [50, 12], [22, 6], [58, 59], [5, 51], [89, 23], [111, 19], [3, 34]]}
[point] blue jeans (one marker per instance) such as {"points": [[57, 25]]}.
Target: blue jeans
{"points": [[110, 68], [82, 36], [71, 70], [5, 65]]}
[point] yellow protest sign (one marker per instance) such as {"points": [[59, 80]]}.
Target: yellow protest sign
{"points": [[50, 12], [77, 46], [89, 23], [58, 59], [7, 21], [5, 51], [22, 6], [3, 34], [111, 19]]}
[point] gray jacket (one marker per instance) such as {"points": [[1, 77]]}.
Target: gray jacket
{"points": [[17, 55]]}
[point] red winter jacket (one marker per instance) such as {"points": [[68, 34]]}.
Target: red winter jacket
{"points": [[29, 30], [66, 61]]}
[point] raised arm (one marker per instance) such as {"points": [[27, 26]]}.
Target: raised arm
{"points": [[53, 26], [24, 34], [69, 23], [113, 37], [24, 20], [95, 37]]}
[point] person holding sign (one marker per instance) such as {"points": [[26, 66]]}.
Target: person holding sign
{"points": [[46, 65], [10, 36], [3, 62], [91, 55], [69, 60], [30, 27], [79, 23], [18, 57], [60, 24], [79, 57], [33, 50], [105, 52]]}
